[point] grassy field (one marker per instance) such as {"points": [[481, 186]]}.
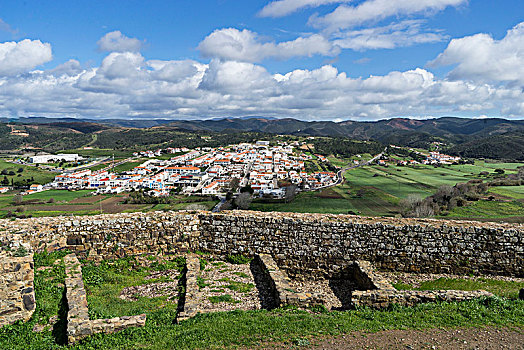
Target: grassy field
{"points": [[515, 192], [62, 202], [225, 329], [30, 172], [377, 191]]}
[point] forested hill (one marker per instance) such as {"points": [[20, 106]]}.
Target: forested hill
{"points": [[487, 138]]}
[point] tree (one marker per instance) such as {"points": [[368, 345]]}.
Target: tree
{"points": [[18, 199], [233, 185], [247, 189], [243, 201], [5, 181], [291, 192], [20, 170]]}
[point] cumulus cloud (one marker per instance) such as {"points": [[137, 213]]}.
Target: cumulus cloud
{"points": [[405, 33], [22, 56], [345, 16], [246, 46], [127, 85], [118, 42], [283, 8], [481, 58]]}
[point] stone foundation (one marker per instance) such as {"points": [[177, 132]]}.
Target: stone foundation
{"points": [[17, 295], [381, 293], [280, 287], [191, 295], [79, 325]]}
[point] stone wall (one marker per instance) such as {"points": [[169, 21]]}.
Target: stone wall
{"points": [[318, 246], [79, 325], [303, 245], [17, 295]]}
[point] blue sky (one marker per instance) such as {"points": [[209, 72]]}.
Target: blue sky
{"points": [[308, 59]]}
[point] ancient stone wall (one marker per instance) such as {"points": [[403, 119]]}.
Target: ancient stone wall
{"points": [[303, 245], [318, 246], [17, 295], [79, 325]]}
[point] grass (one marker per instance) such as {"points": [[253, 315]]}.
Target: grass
{"points": [[40, 176], [377, 191], [224, 298], [488, 209], [515, 192], [227, 329], [508, 289]]}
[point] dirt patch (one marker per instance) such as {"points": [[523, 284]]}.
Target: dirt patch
{"points": [[488, 338], [471, 338], [329, 193], [86, 200]]}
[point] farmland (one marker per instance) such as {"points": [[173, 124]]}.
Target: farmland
{"points": [[60, 202], [377, 191]]}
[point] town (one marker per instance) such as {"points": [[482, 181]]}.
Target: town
{"points": [[263, 168], [206, 171]]}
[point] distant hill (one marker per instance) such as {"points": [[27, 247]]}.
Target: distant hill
{"points": [[508, 146], [487, 138]]}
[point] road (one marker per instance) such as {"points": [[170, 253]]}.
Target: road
{"points": [[340, 173]]}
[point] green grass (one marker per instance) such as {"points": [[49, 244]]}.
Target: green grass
{"points": [[40, 176], [58, 195], [508, 289], [224, 298], [488, 209], [515, 192], [126, 166], [98, 153], [377, 191]]}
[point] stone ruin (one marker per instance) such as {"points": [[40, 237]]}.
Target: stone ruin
{"points": [[287, 247], [17, 295]]}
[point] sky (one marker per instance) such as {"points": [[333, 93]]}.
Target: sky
{"points": [[306, 59]]}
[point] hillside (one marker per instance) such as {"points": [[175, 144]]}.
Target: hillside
{"points": [[508, 146], [483, 138]]}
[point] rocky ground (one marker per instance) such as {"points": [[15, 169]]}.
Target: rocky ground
{"points": [[336, 293], [220, 279]]}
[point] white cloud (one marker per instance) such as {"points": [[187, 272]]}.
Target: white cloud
{"points": [[345, 16], [281, 8], [118, 42], [20, 57], [127, 85], [481, 58], [405, 33], [246, 46]]}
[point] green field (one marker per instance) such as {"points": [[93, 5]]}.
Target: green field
{"points": [[501, 288], [515, 192], [62, 202], [377, 191], [30, 172]]}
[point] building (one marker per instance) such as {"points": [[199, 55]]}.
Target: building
{"points": [[47, 158]]}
